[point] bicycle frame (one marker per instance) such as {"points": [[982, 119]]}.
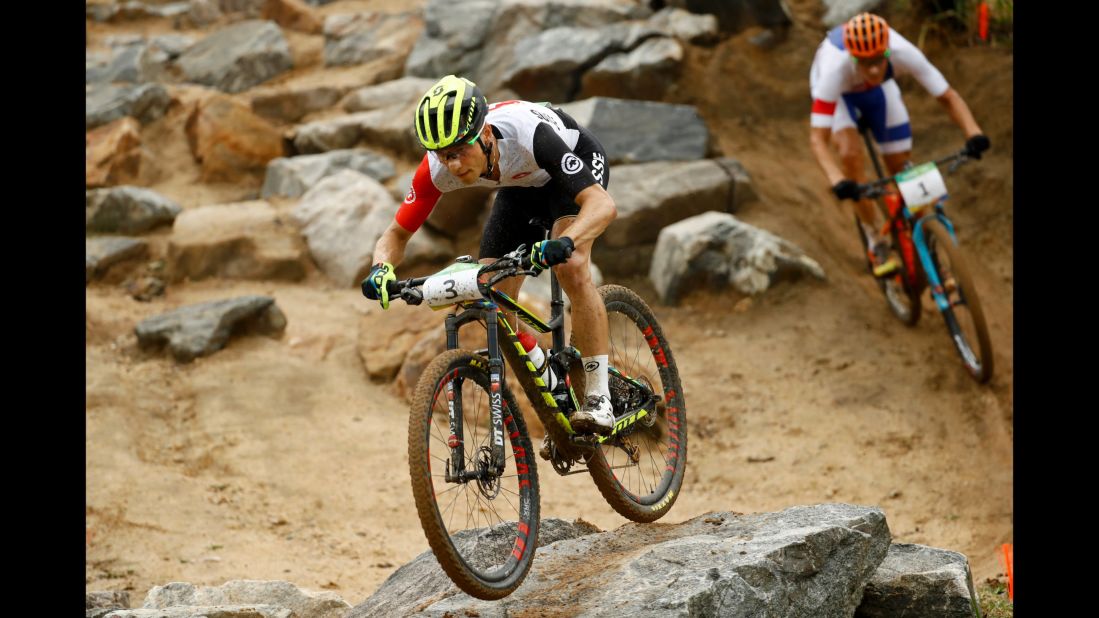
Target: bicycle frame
{"points": [[938, 294], [503, 343]]}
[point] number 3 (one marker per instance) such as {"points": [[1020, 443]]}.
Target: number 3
{"points": [[450, 291]]}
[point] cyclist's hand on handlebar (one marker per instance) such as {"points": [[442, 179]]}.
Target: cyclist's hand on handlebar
{"points": [[375, 286], [846, 189], [975, 145], [547, 253]]}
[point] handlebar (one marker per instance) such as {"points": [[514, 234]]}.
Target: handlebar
{"points": [[508, 265], [877, 188]]}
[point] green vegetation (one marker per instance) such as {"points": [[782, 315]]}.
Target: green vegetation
{"points": [[993, 600], [956, 21]]}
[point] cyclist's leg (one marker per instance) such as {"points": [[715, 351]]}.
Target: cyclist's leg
{"points": [[507, 227], [589, 314], [852, 155]]}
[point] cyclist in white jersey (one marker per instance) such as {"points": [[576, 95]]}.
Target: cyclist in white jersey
{"points": [[547, 166], [852, 77]]}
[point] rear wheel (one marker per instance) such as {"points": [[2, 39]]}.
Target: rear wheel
{"points": [[964, 318], [903, 299], [639, 469], [483, 526]]}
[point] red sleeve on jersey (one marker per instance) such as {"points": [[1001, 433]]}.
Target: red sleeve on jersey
{"points": [[824, 107], [421, 198]]}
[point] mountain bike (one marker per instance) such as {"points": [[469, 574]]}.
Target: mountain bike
{"points": [[923, 238], [473, 473]]}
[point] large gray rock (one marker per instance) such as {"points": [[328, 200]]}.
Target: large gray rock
{"points": [[290, 104], [646, 72], [343, 216], [478, 37], [203, 12], [409, 586], [134, 59], [127, 210], [399, 91], [205, 328], [100, 603], [804, 562], [355, 38], [238, 57], [715, 249], [639, 131], [916, 580], [388, 127], [106, 102], [245, 240], [293, 176], [839, 11], [685, 26], [548, 66], [250, 610], [652, 196], [133, 10], [303, 603], [102, 252]]}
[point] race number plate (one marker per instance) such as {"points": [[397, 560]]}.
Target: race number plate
{"points": [[453, 284], [921, 185]]}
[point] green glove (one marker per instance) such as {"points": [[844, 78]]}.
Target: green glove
{"points": [[374, 286]]}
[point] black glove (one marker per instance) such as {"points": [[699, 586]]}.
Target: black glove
{"points": [[975, 145], [546, 253], [846, 189], [374, 286]]}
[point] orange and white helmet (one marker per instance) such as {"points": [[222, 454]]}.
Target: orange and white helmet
{"points": [[866, 35]]}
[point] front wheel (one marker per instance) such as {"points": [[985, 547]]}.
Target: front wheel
{"points": [[481, 522], [639, 469], [964, 318]]}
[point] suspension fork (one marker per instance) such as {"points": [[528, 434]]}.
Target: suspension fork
{"points": [[457, 467], [496, 390], [919, 236]]}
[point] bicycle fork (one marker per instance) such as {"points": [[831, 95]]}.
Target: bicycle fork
{"points": [[938, 292]]}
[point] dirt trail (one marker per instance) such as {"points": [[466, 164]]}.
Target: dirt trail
{"points": [[277, 459]]}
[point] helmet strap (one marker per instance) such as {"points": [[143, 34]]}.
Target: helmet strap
{"points": [[487, 150]]}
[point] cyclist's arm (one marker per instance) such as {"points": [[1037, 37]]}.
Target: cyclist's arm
{"points": [[818, 143], [575, 179], [417, 205], [391, 245], [597, 210], [959, 112]]}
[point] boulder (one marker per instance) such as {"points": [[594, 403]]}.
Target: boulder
{"points": [[103, 252], [237, 57], [355, 38], [646, 72], [686, 26], [386, 337], [202, 329], [389, 127], [104, 103], [229, 141], [803, 562], [736, 15], [716, 249], [246, 240], [281, 594], [293, 176], [203, 12], [127, 210], [399, 91], [639, 131], [343, 216], [290, 104], [250, 610], [112, 153], [916, 580]]}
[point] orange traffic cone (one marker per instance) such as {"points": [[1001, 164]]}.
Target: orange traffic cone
{"points": [[1009, 563]]}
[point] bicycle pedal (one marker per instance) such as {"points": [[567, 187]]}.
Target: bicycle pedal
{"points": [[887, 268], [585, 441]]}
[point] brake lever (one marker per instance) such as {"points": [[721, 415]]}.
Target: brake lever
{"points": [[412, 296]]}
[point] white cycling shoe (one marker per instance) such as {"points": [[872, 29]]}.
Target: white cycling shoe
{"points": [[597, 416]]}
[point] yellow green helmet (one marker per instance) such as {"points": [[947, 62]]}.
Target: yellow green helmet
{"points": [[451, 111]]}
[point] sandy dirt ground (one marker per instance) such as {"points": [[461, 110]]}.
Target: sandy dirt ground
{"points": [[279, 459]]}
